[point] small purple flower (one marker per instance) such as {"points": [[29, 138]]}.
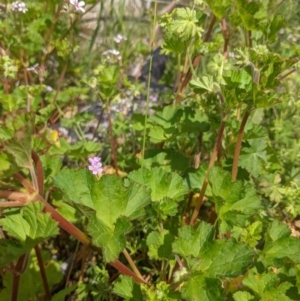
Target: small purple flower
{"points": [[95, 165], [49, 89], [153, 98]]}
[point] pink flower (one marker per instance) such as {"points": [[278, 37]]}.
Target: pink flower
{"points": [[95, 165]]}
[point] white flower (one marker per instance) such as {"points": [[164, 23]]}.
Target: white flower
{"points": [[118, 38], [115, 52], [111, 51], [19, 6], [79, 5]]}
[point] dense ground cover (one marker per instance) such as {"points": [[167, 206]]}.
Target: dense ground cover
{"points": [[173, 176]]}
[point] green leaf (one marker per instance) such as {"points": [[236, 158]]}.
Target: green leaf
{"points": [[173, 121], [11, 250], [191, 241], [128, 289], [167, 159], [77, 186], [278, 230], [159, 244], [235, 203], [138, 198], [4, 164], [251, 13], [52, 165], [194, 178], [30, 225], [252, 158], [239, 79], [243, 296], [41, 224], [20, 145], [252, 234], [82, 149], [66, 210], [226, 259], [63, 293], [185, 24], [270, 187], [220, 7], [267, 286], [108, 197], [166, 207], [280, 246], [276, 24], [201, 288], [107, 202], [111, 240], [162, 184], [223, 188], [205, 84], [159, 134]]}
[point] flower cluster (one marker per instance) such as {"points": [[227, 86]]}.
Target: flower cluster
{"points": [[95, 165], [19, 6], [115, 53], [119, 38]]}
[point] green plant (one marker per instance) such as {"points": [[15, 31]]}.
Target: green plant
{"points": [[201, 193]]}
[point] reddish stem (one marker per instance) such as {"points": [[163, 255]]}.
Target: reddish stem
{"points": [[61, 78], [226, 37], [12, 195], [39, 171], [19, 267], [6, 86], [287, 74], [205, 182], [239, 145], [42, 271], [250, 38], [125, 271], [26, 184]]}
